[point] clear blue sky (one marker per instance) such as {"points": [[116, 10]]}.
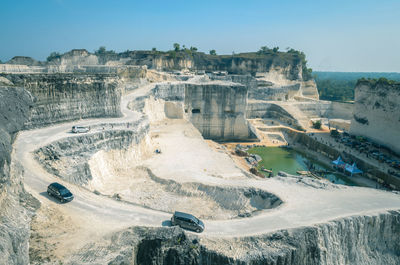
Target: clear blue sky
{"points": [[351, 35]]}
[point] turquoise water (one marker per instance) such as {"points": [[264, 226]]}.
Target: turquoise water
{"points": [[290, 161]]}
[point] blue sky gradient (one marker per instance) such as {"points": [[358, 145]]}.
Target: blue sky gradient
{"points": [[357, 35]]}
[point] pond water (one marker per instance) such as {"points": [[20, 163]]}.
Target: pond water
{"points": [[290, 161]]}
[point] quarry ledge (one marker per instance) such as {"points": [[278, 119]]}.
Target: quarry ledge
{"points": [[358, 239], [363, 239]]}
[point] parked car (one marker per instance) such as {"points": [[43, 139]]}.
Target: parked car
{"points": [[59, 192], [80, 129], [187, 221]]}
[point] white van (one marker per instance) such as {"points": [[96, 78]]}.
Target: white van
{"points": [[80, 129]]}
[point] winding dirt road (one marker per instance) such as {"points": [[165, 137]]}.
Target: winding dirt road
{"points": [[303, 205]]}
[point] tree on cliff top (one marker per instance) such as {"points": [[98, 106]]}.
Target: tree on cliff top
{"points": [[213, 52], [53, 55], [103, 51], [177, 47], [264, 50]]}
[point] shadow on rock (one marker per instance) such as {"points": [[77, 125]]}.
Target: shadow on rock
{"points": [[46, 195], [166, 223]]}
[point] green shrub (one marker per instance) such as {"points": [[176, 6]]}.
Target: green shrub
{"points": [[335, 133], [317, 125]]}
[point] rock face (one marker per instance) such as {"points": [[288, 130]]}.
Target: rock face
{"points": [[273, 85], [266, 110], [16, 205], [65, 97], [218, 111], [280, 93], [79, 57], [58, 157], [309, 89], [24, 60], [243, 63], [376, 112]]}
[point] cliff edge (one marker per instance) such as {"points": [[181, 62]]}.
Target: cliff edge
{"points": [[17, 206], [376, 112]]}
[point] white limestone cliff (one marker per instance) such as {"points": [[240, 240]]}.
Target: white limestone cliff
{"points": [[377, 113]]}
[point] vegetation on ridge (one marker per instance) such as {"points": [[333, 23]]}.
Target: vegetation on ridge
{"points": [[339, 86], [381, 81], [293, 60], [53, 56]]}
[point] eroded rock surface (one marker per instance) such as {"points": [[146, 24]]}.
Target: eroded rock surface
{"points": [[376, 113], [68, 158], [65, 97], [17, 206]]}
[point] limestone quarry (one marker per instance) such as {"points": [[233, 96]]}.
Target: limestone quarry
{"points": [[164, 136]]}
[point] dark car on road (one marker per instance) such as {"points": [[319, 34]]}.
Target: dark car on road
{"points": [[187, 221], [59, 192]]}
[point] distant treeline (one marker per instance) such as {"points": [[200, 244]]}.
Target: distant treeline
{"points": [[339, 86]]}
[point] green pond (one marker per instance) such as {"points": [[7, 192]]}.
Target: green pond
{"points": [[290, 161]]}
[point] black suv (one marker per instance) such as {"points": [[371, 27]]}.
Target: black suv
{"points": [[60, 192], [187, 221]]}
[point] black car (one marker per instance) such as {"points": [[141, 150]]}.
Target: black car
{"points": [[187, 221], [60, 192]]}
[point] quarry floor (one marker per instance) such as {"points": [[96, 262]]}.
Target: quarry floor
{"points": [[185, 159]]}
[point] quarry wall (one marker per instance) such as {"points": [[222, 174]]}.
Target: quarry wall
{"points": [[233, 64], [125, 71], [58, 156], [376, 113], [273, 85], [64, 97], [261, 109], [281, 93], [340, 110], [309, 89], [17, 206], [247, 80], [216, 109]]}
